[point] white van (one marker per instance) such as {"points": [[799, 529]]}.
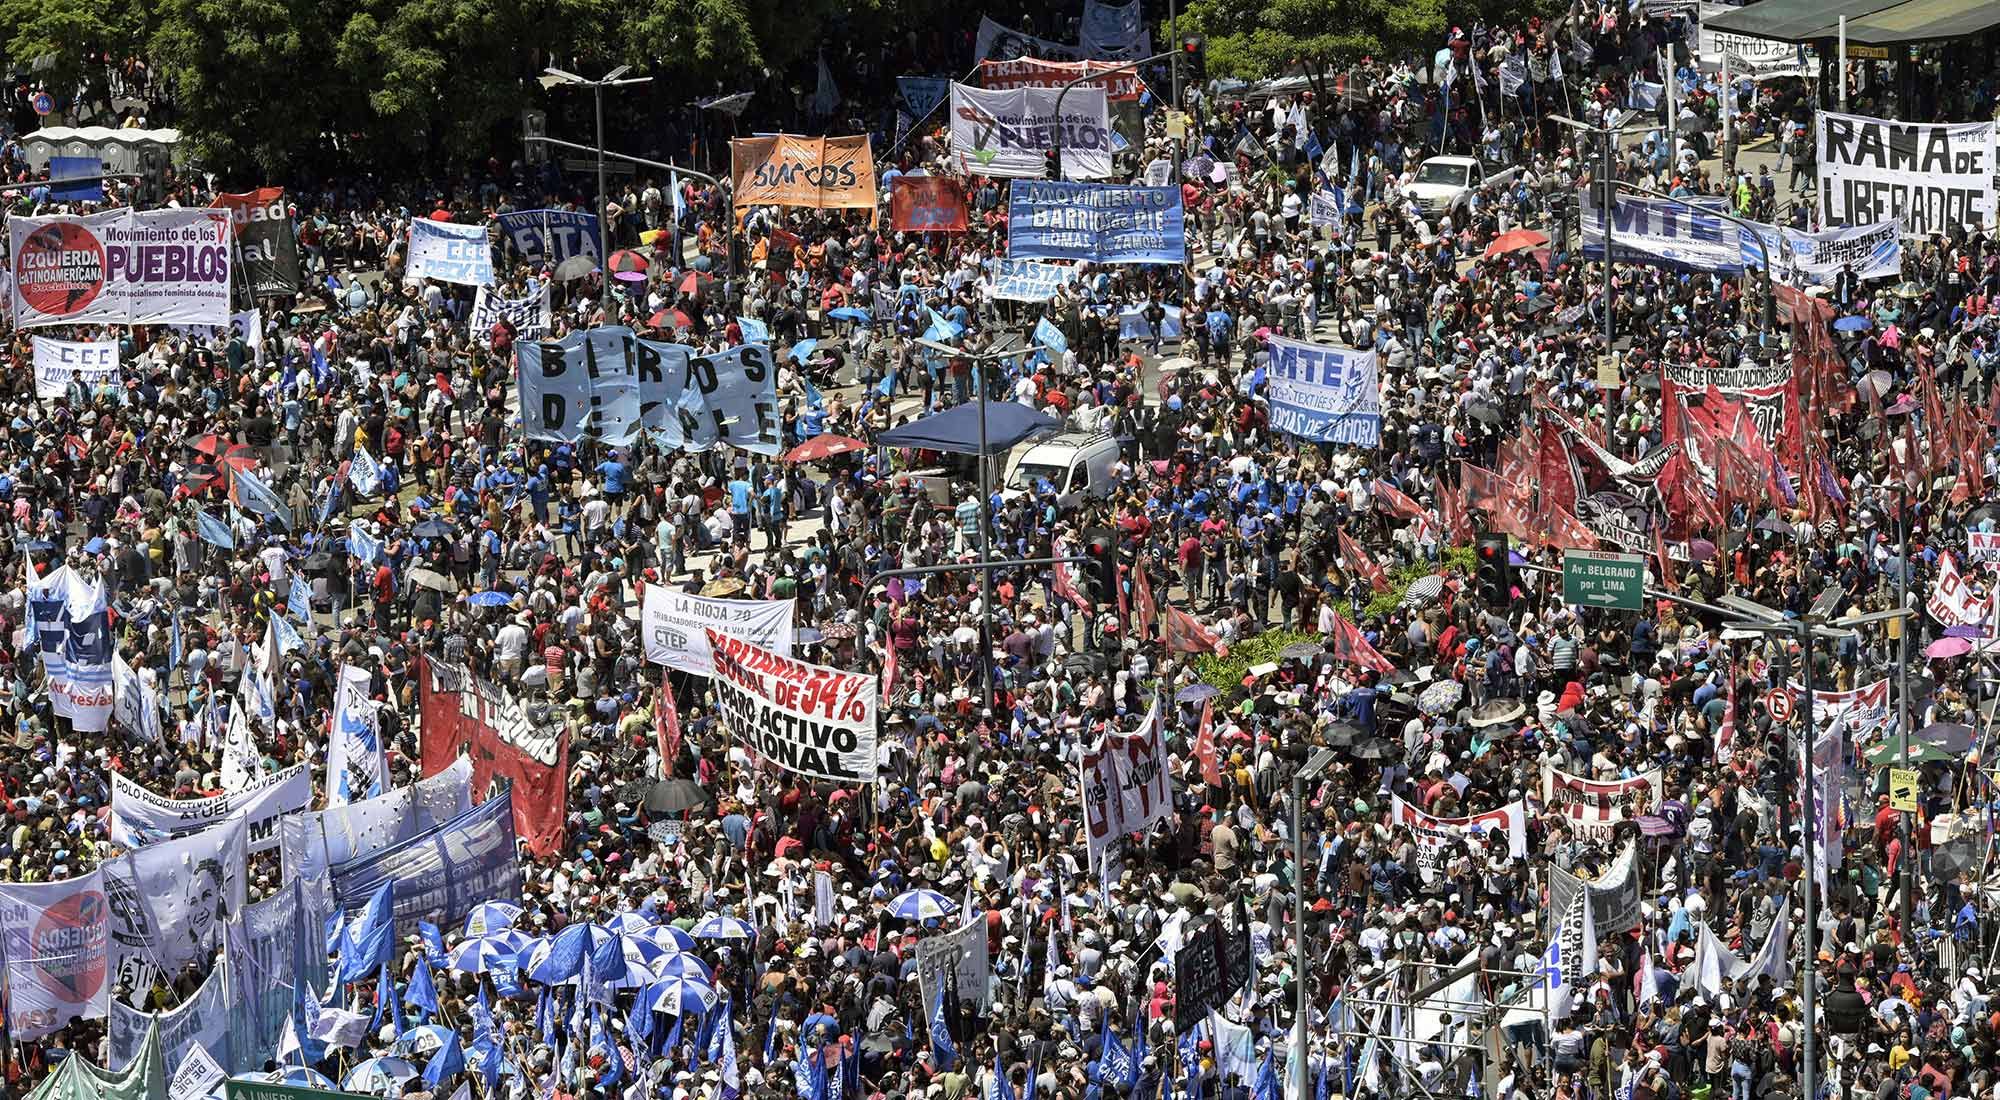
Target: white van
{"points": [[1078, 464]]}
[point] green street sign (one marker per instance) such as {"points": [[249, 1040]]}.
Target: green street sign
{"points": [[270, 1090], [1593, 579]]}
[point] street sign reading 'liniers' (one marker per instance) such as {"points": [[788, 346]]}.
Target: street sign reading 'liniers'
{"points": [[1592, 579]]}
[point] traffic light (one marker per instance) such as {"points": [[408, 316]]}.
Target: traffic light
{"points": [[1100, 545], [1194, 59], [1495, 575]]}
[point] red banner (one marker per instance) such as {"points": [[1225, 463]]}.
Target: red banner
{"points": [[506, 739], [667, 720], [928, 204], [1185, 634]]}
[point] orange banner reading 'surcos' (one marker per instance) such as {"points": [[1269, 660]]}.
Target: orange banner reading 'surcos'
{"points": [[786, 170]]}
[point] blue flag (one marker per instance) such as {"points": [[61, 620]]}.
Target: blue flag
{"points": [[754, 331], [364, 473], [174, 644], [814, 398], [1115, 1064], [433, 941], [1001, 1088], [942, 1046], [299, 600], [732, 1076], [286, 635], [386, 1003], [363, 545], [1266, 1087], [368, 943], [423, 990], [771, 1035], [319, 366], [250, 491], [485, 1041], [1049, 336], [448, 1061], [213, 531]]}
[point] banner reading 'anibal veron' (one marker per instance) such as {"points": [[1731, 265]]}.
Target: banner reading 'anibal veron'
{"points": [[1932, 175], [121, 267], [806, 718], [818, 172]]}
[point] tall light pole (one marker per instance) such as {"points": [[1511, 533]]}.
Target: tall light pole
{"points": [[985, 517], [1765, 317], [1055, 136], [616, 78], [1301, 1057], [1609, 137]]}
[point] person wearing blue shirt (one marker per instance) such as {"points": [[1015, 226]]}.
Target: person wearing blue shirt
{"points": [[613, 473], [740, 492]]}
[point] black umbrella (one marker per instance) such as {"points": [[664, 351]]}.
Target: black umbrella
{"points": [[1377, 749], [673, 796], [1341, 734], [1485, 414]]}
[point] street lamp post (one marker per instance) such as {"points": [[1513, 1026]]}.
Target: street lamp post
{"points": [[985, 519], [729, 260], [1055, 137], [1608, 135], [1764, 320], [1319, 762], [616, 78]]}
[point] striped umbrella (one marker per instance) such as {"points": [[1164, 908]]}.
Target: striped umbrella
{"points": [[477, 956], [921, 905], [491, 916], [675, 995], [669, 937], [724, 928]]}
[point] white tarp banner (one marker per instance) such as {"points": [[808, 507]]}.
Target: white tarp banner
{"points": [[1438, 837], [1752, 58], [449, 252], [1008, 134], [1595, 806], [1126, 785], [169, 901], [1930, 174], [60, 362], [1816, 259], [528, 315], [806, 718], [122, 267], [1952, 601], [357, 762], [957, 960], [54, 937], [1614, 895], [140, 818], [674, 624], [135, 702]]}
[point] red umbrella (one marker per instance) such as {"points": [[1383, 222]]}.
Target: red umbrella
{"points": [[697, 283], [206, 444], [823, 447], [626, 260], [669, 318], [1515, 240]]}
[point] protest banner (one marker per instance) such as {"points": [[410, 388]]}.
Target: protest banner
{"points": [[1113, 32], [266, 244], [55, 940], [1664, 234], [675, 626], [169, 901], [816, 172], [1325, 394], [928, 204], [140, 817], [1027, 280], [1101, 223], [551, 236], [806, 718], [273, 951], [1123, 85], [1982, 547], [357, 760], [1008, 134], [607, 383], [1808, 259], [526, 744], [1614, 895], [1952, 600], [121, 267], [61, 362], [1931, 175], [1437, 837], [1752, 58], [441, 874], [1594, 806], [313, 842], [1768, 391], [1866, 709], [957, 961], [1210, 965], [1126, 785], [997, 43], [529, 315], [1133, 325], [920, 95], [449, 252], [201, 1019]]}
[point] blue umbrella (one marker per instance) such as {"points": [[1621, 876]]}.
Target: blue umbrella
{"points": [[724, 928], [667, 936], [561, 957], [477, 956], [921, 905], [629, 923], [490, 916], [489, 599], [849, 313], [683, 965], [379, 1076], [802, 349], [677, 994], [1196, 693], [1855, 323]]}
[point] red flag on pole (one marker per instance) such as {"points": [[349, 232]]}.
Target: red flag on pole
{"points": [[1356, 557], [1349, 645], [1142, 600], [1204, 746], [667, 722], [1065, 587], [1185, 634]]}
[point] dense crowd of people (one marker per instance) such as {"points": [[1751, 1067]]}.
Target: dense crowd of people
{"points": [[1278, 597]]}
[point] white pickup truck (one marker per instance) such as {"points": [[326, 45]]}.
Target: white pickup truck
{"points": [[1444, 185]]}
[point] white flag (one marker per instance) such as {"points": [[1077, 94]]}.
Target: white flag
{"points": [[197, 1076]]}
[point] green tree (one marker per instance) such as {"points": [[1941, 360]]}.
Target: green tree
{"points": [[252, 83], [1256, 39], [74, 37]]}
